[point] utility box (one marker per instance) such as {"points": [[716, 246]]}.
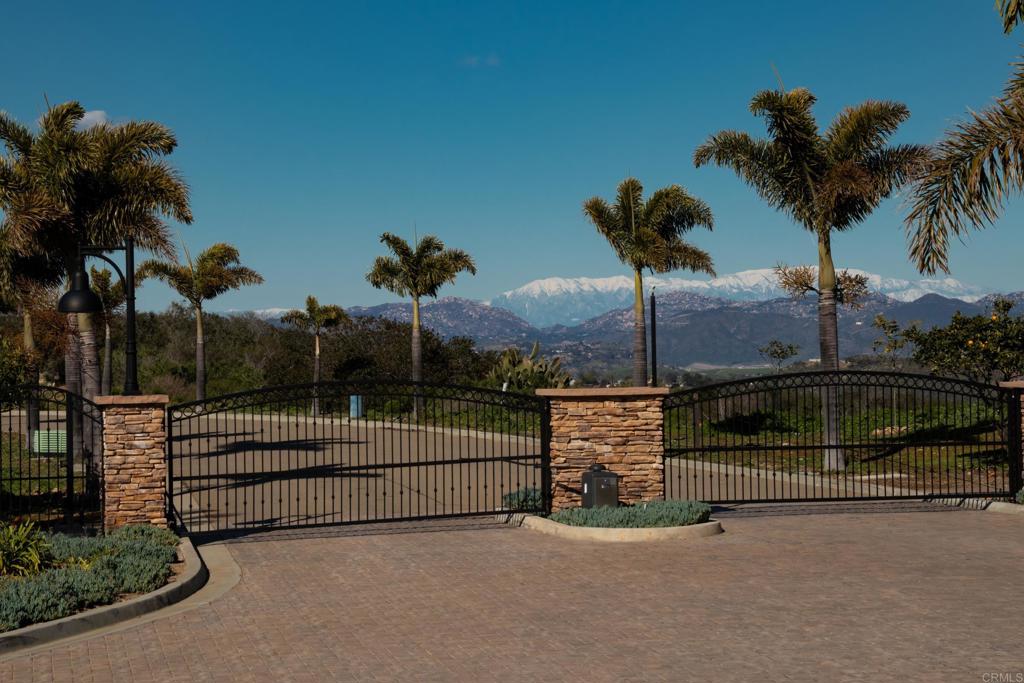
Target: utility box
{"points": [[600, 488], [355, 407]]}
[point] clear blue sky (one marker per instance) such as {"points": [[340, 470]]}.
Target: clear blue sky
{"points": [[305, 130]]}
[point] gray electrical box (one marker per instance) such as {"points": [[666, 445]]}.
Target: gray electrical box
{"points": [[600, 487]]}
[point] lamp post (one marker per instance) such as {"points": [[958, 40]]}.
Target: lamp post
{"points": [[81, 299], [654, 341]]}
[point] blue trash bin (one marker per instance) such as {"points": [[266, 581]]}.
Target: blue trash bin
{"points": [[355, 407]]}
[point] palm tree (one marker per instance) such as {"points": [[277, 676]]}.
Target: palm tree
{"points": [[826, 182], [214, 271], [112, 295], [66, 186], [316, 319], [648, 235], [417, 272], [973, 170]]}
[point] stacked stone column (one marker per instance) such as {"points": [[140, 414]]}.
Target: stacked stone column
{"points": [[134, 460], [621, 428]]}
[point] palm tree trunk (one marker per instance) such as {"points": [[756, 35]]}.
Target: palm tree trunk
{"points": [[73, 380], [200, 356], [90, 376], [105, 381], [90, 356], [73, 357], [417, 358], [32, 376], [316, 374], [828, 340], [639, 332]]}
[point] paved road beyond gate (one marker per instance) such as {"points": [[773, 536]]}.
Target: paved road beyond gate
{"points": [[368, 452]]}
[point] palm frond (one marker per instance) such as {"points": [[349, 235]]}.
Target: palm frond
{"points": [[863, 129], [1011, 12], [965, 185]]}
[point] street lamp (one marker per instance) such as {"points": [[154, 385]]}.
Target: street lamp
{"points": [[81, 299]]}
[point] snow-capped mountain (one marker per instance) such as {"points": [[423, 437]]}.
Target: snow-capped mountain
{"points": [[570, 301]]}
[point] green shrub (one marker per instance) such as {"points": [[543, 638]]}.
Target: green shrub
{"points": [[1020, 497], [524, 500], [659, 513], [93, 571], [24, 550]]}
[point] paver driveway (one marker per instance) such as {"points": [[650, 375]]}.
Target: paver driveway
{"points": [[927, 595]]}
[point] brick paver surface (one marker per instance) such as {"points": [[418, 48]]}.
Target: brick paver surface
{"points": [[906, 596]]}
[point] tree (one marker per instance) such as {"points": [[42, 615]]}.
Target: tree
{"points": [[778, 353], [826, 182], [67, 186], [113, 297], [647, 235], [517, 372], [892, 341], [316, 319], [982, 348], [972, 171], [214, 272], [417, 271]]}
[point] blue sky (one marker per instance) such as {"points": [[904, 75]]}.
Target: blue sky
{"points": [[306, 130]]}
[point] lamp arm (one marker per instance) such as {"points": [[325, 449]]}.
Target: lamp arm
{"points": [[120, 273]]}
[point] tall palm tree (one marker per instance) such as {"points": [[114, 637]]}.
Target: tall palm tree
{"points": [[66, 186], [112, 296], [827, 182], [973, 170], [648, 235], [316, 319], [214, 272], [417, 271]]}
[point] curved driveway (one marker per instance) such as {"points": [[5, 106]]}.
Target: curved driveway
{"points": [[914, 595]]}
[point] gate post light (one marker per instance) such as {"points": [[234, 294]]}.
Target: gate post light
{"points": [[81, 299]]}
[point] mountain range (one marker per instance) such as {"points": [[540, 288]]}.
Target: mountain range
{"points": [[570, 301], [723, 321]]}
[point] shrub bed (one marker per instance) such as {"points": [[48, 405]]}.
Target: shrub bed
{"points": [[524, 500], [76, 573], [659, 513]]}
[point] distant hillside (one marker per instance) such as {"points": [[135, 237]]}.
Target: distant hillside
{"points": [[455, 317]]}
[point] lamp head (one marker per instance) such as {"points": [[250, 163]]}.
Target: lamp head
{"points": [[80, 298]]}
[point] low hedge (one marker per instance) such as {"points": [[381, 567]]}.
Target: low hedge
{"points": [[86, 572], [524, 500], [1020, 497], [659, 513]]}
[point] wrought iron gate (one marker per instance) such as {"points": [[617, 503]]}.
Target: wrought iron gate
{"points": [[368, 452], [50, 446], [842, 435]]}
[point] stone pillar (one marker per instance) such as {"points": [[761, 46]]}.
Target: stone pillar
{"points": [[134, 462], [620, 428]]}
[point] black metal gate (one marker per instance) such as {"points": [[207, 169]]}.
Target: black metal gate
{"points": [[841, 436], [371, 452], [50, 446]]}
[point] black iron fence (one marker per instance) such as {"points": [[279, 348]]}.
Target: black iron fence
{"points": [[367, 452], [50, 449], [842, 435]]}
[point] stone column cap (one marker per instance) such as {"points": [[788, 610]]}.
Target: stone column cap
{"points": [[143, 400], [605, 392], [1013, 384]]}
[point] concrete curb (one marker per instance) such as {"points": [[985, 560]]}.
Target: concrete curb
{"points": [[1006, 508], [581, 533], [191, 580]]}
